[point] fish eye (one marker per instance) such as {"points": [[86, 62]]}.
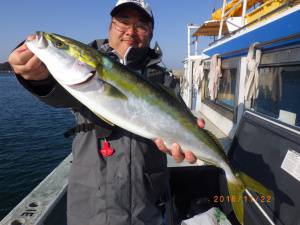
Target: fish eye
{"points": [[59, 44]]}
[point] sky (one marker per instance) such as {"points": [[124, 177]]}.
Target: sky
{"points": [[89, 20]]}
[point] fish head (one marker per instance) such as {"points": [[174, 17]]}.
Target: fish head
{"points": [[70, 62]]}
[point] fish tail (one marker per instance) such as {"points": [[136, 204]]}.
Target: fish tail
{"points": [[236, 189]]}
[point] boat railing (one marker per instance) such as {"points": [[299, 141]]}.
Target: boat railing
{"points": [[225, 14], [40, 202], [233, 8], [262, 17], [265, 8]]}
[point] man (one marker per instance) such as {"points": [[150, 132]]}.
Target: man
{"points": [[116, 177]]}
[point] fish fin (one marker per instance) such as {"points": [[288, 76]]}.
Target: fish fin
{"points": [[237, 201], [105, 120], [114, 92], [254, 185], [213, 137], [236, 190], [109, 89]]}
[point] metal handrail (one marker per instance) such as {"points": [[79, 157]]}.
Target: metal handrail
{"points": [[233, 8], [254, 21], [261, 6]]}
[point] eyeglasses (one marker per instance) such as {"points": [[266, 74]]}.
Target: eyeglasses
{"points": [[123, 25]]}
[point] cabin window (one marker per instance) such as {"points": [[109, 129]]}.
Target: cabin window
{"points": [[226, 92], [227, 86], [225, 101], [279, 93]]}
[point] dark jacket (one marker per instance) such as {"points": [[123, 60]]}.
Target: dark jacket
{"points": [[128, 187]]}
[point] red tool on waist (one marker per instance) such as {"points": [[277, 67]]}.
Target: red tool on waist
{"points": [[106, 150]]}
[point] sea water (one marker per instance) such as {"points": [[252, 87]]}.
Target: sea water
{"points": [[31, 141]]}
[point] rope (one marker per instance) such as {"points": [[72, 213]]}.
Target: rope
{"points": [[183, 84], [251, 80], [198, 73], [215, 73]]}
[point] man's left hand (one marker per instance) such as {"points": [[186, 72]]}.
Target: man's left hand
{"points": [[176, 152]]}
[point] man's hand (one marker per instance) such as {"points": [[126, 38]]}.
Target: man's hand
{"points": [[26, 64], [176, 152]]}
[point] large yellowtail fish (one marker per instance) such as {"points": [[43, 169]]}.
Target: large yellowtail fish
{"points": [[128, 100]]}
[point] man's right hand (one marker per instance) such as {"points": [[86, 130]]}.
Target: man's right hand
{"points": [[26, 64]]}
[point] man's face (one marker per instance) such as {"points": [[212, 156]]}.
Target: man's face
{"points": [[129, 29]]}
